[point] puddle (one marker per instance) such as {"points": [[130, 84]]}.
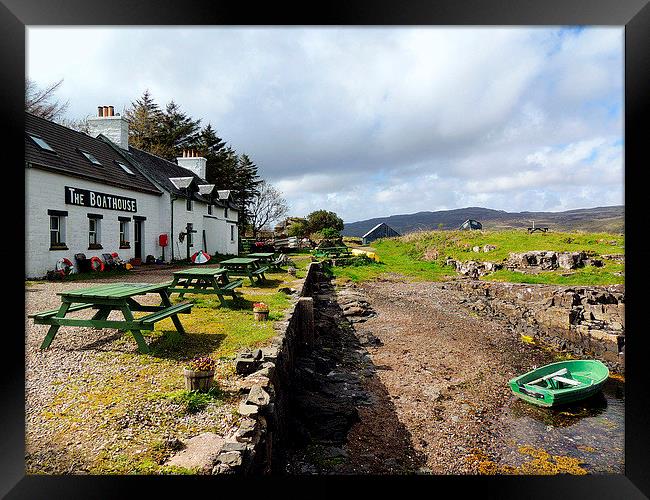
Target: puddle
{"points": [[591, 431]]}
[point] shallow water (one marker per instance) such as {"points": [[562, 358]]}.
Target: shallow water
{"points": [[591, 430]]}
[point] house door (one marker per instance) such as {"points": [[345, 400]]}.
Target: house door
{"points": [[137, 239]]}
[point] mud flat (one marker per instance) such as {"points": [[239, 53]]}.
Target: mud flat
{"points": [[405, 378]]}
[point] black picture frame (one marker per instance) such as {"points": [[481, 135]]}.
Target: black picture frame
{"points": [[15, 15]]}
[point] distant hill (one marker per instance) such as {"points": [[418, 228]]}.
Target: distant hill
{"points": [[599, 219]]}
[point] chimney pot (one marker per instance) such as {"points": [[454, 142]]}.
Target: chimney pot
{"points": [[111, 111], [100, 111], [105, 111]]}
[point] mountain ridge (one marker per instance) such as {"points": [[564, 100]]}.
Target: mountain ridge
{"points": [[596, 219]]}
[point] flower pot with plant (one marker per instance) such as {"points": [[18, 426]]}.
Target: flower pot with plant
{"points": [[199, 374], [260, 311]]}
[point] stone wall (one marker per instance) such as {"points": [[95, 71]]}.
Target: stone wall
{"points": [[266, 384], [587, 321]]}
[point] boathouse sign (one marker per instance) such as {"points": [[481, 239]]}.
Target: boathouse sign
{"points": [[95, 199]]}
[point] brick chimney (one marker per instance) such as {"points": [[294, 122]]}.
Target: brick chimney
{"points": [[192, 160], [113, 126]]}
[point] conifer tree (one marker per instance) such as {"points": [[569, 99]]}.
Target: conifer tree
{"points": [[145, 118], [178, 131]]}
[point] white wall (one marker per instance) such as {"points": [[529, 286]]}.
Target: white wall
{"points": [[216, 227], [45, 191]]}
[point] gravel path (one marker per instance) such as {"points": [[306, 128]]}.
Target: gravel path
{"points": [[90, 397]]}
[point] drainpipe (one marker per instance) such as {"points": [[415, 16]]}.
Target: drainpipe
{"points": [[172, 198]]}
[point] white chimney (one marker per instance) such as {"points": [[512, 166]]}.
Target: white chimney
{"points": [[192, 160], [115, 127]]}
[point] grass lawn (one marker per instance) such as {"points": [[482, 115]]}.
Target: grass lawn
{"points": [[421, 256], [120, 407]]}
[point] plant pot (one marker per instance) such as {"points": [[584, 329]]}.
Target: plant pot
{"points": [[198, 380], [261, 315]]}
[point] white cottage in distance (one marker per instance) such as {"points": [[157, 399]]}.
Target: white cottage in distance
{"points": [[95, 194]]}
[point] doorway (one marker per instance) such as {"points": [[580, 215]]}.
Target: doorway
{"points": [[137, 238]]}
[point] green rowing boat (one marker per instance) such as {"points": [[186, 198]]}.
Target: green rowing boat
{"points": [[560, 383]]}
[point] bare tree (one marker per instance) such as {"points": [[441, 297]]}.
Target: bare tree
{"points": [[267, 207], [43, 102]]}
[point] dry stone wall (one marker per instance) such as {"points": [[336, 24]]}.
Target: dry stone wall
{"points": [[587, 321], [267, 375]]}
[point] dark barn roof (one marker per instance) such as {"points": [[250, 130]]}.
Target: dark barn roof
{"points": [[66, 158], [381, 230]]}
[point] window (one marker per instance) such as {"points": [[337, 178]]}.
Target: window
{"points": [[232, 233], [94, 234], [90, 157], [189, 204], [41, 143], [125, 168], [225, 212], [124, 234], [190, 234], [56, 238], [209, 209]]}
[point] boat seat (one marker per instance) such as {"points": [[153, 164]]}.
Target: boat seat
{"points": [[567, 381]]}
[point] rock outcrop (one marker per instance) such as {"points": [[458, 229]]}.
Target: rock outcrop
{"points": [[583, 320]]}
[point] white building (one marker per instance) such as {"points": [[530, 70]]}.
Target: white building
{"points": [[96, 195]]}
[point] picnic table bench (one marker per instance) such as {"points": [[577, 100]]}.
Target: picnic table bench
{"points": [[245, 266], [332, 251], [113, 297], [206, 280], [269, 259]]}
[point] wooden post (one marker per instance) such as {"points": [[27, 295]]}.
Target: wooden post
{"points": [[306, 320]]}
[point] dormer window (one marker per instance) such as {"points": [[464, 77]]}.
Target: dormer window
{"points": [[40, 142], [125, 168], [90, 157]]}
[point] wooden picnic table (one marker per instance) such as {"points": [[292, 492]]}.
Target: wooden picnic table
{"points": [[332, 251], [245, 266], [262, 256], [208, 280], [112, 297]]}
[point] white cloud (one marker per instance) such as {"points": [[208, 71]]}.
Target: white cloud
{"points": [[376, 121]]}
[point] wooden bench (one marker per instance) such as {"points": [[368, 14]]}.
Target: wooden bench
{"points": [[259, 272], [278, 263], [567, 381], [150, 319], [52, 312]]}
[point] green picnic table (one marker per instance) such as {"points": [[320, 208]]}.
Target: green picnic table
{"points": [[245, 266], [332, 251], [113, 297], [208, 280], [269, 259]]}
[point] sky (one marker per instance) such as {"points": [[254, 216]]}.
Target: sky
{"points": [[371, 122]]}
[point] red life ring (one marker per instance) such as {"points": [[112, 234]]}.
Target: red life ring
{"points": [[96, 264], [64, 266]]}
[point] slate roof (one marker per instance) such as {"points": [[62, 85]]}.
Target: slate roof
{"points": [[67, 160], [160, 170]]}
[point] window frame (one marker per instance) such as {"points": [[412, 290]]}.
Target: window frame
{"points": [[35, 138], [209, 208], [124, 234], [90, 157], [232, 232], [57, 231], [125, 168], [189, 204]]}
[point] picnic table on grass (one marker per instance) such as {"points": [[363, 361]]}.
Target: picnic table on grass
{"points": [[269, 259], [113, 297], [332, 252], [207, 280], [245, 266]]}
